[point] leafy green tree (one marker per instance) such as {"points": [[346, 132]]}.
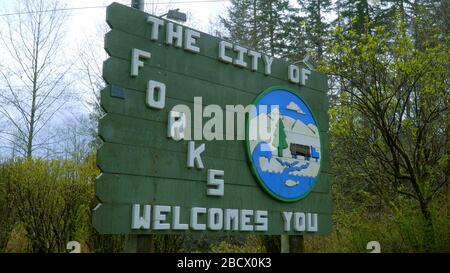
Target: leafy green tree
{"points": [[51, 200], [296, 45], [315, 25], [442, 12], [353, 15], [242, 23], [392, 116], [275, 18], [264, 25]]}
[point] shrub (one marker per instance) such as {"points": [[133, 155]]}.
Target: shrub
{"points": [[50, 199]]}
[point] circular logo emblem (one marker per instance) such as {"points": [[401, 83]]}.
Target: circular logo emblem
{"points": [[283, 144]]}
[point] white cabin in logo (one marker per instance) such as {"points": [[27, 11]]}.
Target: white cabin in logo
{"points": [[303, 140]]}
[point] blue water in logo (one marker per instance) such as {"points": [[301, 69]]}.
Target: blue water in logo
{"points": [[276, 182]]}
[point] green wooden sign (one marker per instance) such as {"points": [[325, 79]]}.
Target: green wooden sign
{"points": [[203, 135]]}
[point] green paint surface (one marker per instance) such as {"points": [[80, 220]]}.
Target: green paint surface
{"points": [[141, 165]]}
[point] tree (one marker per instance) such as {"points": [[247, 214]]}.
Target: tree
{"points": [[315, 24], [51, 200], [77, 139], [395, 130], [264, 25], [442, 12], [34, 81], [353, 15], [279, 139], [242, 23], [390, 9], [275, 18], [89, 65]]}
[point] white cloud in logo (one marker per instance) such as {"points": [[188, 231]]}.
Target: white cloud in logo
{"points": [[294, 107], [271, 165]]}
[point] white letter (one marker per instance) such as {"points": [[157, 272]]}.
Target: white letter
{"points": [[265, 124], [261, 223], [239, 61], [187, 113], [312, 224], [215, 122], [137, 221], [158, 88], [244, 222], [305, 73], [198, 118], [176, 220], [156, 23], [294, 74], [299, 221], [194, 155], [174, 34], [215, 219], [223, 45], [255, 57], [194, 216], [268, 62], [240, 111], [213, 181], [287, 220], [190, 38], [176, 126], [231, 216], [135, 62], [158, 217]]}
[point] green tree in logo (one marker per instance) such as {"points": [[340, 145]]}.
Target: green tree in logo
{"points": [[279, 140]]}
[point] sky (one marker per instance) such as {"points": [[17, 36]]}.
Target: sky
{"points": [[81, 21]]}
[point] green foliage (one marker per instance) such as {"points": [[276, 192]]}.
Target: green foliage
{"points": [[46, 204], [275, 18], [389, 127], [6, 219], [168, 243], [353, 15], [243, 23], [316, 28], [251, 244], [104, 243], [360, 217], [50, 199], [264, 25]]}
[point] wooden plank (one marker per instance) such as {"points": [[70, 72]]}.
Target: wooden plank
{"points": [[134, 106], [136, 24], [150, 134], [106, 215], [143, 133], [147, 161], [115, 188], [130, 107], [175, 60], [140, 132]]}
